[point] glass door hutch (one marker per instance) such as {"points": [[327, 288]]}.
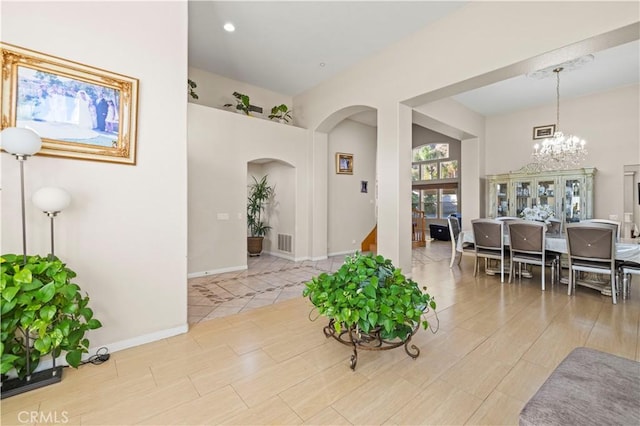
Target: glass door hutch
{"points": [[569, 193]]}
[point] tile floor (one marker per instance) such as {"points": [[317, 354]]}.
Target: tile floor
{"points": [[270, 280], [267, 280]]}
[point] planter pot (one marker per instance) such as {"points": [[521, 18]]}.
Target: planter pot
{"points": [[254, 245], [36, 380]]}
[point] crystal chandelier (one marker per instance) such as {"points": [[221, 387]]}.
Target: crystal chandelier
{"points": [[562, 151]]}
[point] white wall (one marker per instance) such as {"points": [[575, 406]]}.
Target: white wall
{"points": [[609, 122], [125, 232], [221, 143], [351, 213], [215, 91]]}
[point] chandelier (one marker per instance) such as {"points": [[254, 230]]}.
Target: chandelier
{"points": [[561, 151]]}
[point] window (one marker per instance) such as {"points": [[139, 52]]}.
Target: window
{"points": [[449, 169], [430, 203], [435, 203], [415, 172], [429, 171], [449, 198], [435, 180], [427, 165], [432, 151]]}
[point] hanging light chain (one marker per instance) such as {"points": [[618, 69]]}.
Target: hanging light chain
{"points": [[557, 71]]}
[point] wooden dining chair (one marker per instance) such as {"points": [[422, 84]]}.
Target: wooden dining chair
{"points": [[527, 245], [488, 235], [591, 247]]}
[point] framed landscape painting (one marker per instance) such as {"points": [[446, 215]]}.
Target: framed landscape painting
{"points": [[79, 111]]}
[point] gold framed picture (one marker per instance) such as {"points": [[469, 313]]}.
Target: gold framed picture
{"points": [[344, 163], [79, 111]]}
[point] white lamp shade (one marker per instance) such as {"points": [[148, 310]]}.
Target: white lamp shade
{"points": [[51, 199], [20, 141]]}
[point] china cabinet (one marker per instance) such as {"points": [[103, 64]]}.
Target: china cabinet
{"points": [[569, 193]]}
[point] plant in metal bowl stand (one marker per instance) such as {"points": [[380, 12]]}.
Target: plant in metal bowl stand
{"points": [[370, 304]]}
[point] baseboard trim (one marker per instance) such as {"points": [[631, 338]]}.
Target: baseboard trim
{"points": [[216, 271], [47, 362], [145, 338], [287, 257], [340, 253]]}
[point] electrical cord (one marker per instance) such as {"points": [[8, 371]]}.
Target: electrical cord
{"points": [[101, 355]]}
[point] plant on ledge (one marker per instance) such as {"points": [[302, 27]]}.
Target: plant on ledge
{"points": [[370, 303], [243, 103], [43, 310], [190, 86], [281, 113]]}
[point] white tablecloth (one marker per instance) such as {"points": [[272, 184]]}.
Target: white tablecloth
{"points": [[627, 250]]}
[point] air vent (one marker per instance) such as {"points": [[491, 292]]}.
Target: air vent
{"points": [[285, 243]]}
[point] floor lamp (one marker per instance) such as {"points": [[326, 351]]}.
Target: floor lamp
{"points": [[51, 201], [21, 143]]}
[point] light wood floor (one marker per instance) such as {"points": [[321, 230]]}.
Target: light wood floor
{"points": [[496, 345]]}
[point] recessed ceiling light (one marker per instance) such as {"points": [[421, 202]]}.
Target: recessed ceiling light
{"points": [[322, 64], [229, 27]]}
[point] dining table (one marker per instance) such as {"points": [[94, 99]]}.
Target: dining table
{"points": [[627, 250]]}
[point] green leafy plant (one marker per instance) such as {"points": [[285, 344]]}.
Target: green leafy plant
{"points": [[370, 294], [190, 86], [280, 112], [243, 103], [40, 301], [259, 193]]}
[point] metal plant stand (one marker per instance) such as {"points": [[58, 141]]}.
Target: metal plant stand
{"points": [[371, 341]]}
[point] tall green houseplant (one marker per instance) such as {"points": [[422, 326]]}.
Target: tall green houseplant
{"points": [[259, 194]]}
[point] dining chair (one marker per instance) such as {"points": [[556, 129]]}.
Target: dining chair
{"points": [[527, 245], [613, 223], [591, 247], [626, 270], [505, 220], [555, 226], [488, 235], [454, 232]]}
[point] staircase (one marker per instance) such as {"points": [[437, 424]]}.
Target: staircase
{"points": [[419, 229], [369, 244]]}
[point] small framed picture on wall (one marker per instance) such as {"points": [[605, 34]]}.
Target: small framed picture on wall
{"points": [[542, 132], [344, 163]]}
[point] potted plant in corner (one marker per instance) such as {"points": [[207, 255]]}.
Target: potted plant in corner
{"points": [[370, 304], [282, 113], [243, 103], [259, 193], [43, 312]]}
